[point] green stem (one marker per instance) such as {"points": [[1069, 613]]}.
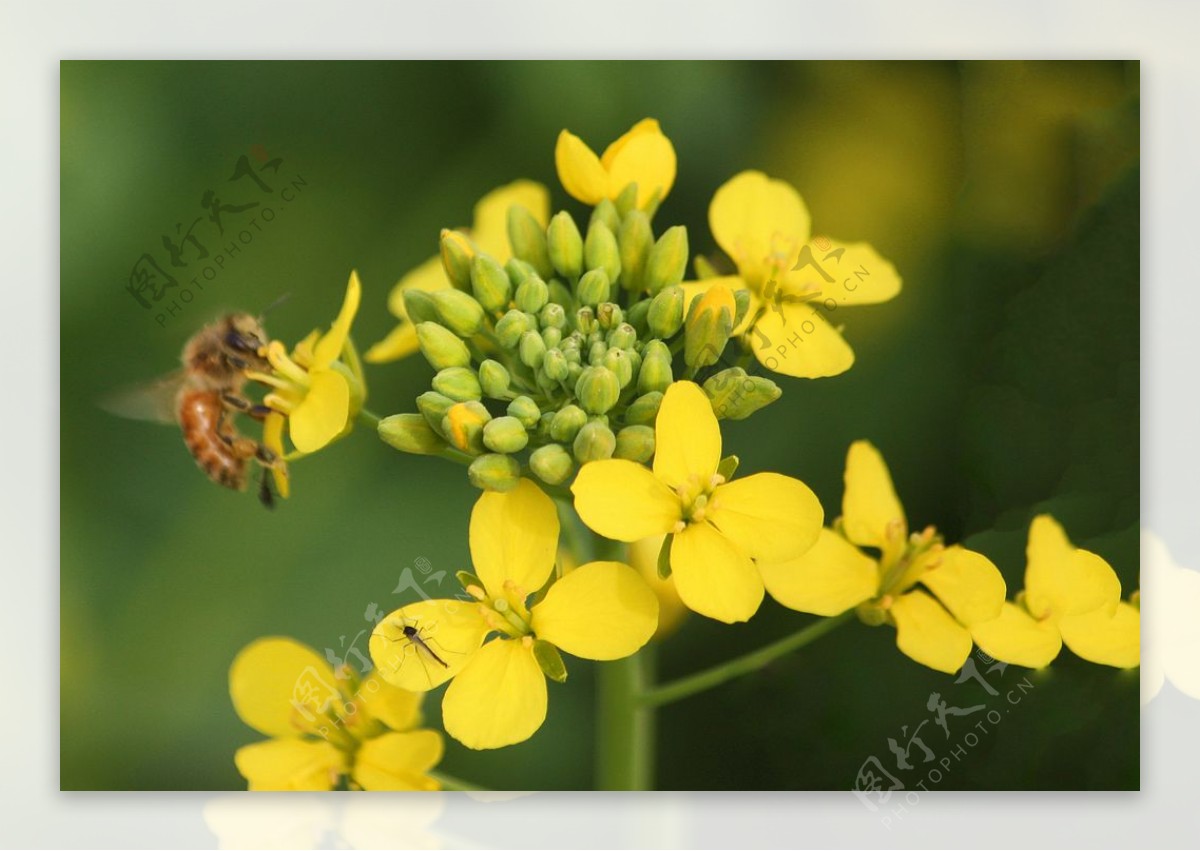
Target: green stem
{"points": [[625, 730], [450, 783], [726, 671], [368, 418]]}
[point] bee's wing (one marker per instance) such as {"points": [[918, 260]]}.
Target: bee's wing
{"points": [[152, 400]]}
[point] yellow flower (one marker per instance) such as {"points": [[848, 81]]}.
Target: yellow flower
{"points": [[643, 557], [325, 730], [723, 532], [497, 695], [643, 156], [797, 282], [489, 233], [1071, 597], [835, 575], [320, 387]]}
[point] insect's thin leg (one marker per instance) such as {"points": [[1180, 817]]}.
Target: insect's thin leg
{"points": [[239, 403], [245, 447]]}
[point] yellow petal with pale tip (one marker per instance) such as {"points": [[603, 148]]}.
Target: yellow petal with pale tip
{"points": [[398, 762], [713, 576], [603, 610], [1017, 638], [692, 289], [514, 538], [449, 632], [871, 512], [793, 338], [323, 414], [1103, 638], [329, 347], [399, 708], [624, 501], [643, 156], [281, 687], [399, 343], [490, 229], [1061, 580], [580, 170], [834, 576], [756, 220], [428, 277], [273, 440], [647, 127], [499, 699], [771, 517], [926, 633], [967, 584], [841, 274], [687, 437], [290, 765], [643, 557]]}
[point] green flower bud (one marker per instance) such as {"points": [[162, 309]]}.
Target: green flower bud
{"points": [[627, 200], [525, 410], [549, 660], [553, 316], [593, 287], [574, 370], [543, 426], [463, 426], [494, 380], [457, 253], [441, 347], [634, 239], [606, 213], [532, 349], [635, 443], [600, 251], [609, 315], [667, 261], [419, 306], [567, 422], [637, 316], [570, 349], [551, 337], [595, 442], [655, 373], [644, 409], [742, 299], [518, 270], [410, 433], [458, 383], [736, 395], [458, 311], [596, 352], [528, 240], [490, 283], [585, 320], [433, 407], [505, 434], [565, 245], [495, 472], [618, 363], [708, 327], [666, 312], [511, 326], [597, 389], [622, 337], [555, 366], [560, 293], [551, 463], [532, 294]]}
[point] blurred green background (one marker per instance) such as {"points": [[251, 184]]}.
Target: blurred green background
{"points": [[1003, 382]]}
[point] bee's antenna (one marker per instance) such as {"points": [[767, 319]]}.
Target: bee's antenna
{"points": [[276, 303]]}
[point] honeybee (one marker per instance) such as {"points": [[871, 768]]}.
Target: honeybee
{"points": [[204, 395]]}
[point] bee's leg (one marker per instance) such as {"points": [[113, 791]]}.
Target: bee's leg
{"points": [[244, 447], [242, 405]]}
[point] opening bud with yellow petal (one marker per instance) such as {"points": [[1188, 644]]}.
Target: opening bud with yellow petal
{"points": [[528, 239], [457, 253], [667, 261], [594, 287], [635, 443], [567, 422], [505, 434], [598, 389], [644, 409], [635, 238], [511, 326], [532, 294], [441, 346], [532, 349], [525, 410], [665, 316], [495, 472], [655, 373], [709, 324], [494, 380], [551, 463], [736, 395], [595, 442], [490, 283], [600, 250], [458, 383], [458, 311], [463, 426], [565, 244], [433, 407], [410, 433]]}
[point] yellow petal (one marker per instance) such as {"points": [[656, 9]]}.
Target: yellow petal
{"points": [[692, 289], [281, 687], [323, 414], [793, 338], [926, 633], [1103, 638], [329, 347], [602, 610], [499, 699], [1062, 580], [399, 708], [290, 765], [399, 343], [713, 576], [832, 577], [757, 220], [429, 277], [871, 512], [580, 170], [450, 631], [643, 156], [624, 501], [273, 440], [844, 274], [643, 557], [771, 517], [398, 762], [687, 436], [490, 230], [967, 584], [1017, 638], [514, 537]]}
